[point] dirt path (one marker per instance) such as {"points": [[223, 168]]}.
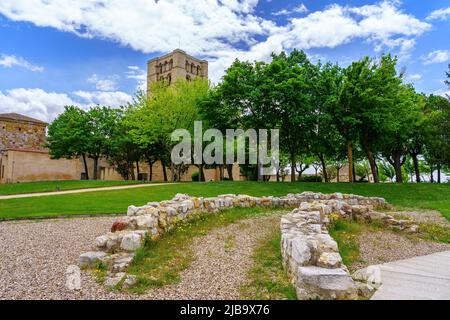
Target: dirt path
{"points": [[34, 256], [223, 258], [58, 193]]}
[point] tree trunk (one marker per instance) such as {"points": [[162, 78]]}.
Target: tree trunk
{"points": [[95, 168], [278, 175], [292, 169], [350, 161], [324, 168], [164, 170], [131, 166], [221, 172], [398, 168], [416, 167], [230, 171], [338, 169], [86, 170], [431, 174], [439, 173], [373, 166], [202, 173], [137, 170]]}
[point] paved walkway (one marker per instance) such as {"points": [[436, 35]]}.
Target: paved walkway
{"points": [[55, 193], [419, 278]]}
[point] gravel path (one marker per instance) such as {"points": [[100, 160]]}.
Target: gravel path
{"points": [[424, 216], [386, 246], [34, 256]]}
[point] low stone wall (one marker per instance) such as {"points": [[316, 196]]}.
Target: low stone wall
{"points": [[304, 229]]}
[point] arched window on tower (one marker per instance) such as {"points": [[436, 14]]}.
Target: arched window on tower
{"points": [[160, 68], [171, 64], [169, 78], [192, 68], [198, 70], [187, 66], [165, 66]]}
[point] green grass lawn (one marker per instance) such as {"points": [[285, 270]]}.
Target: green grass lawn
{"points": [[49, 186], [428, 196]]}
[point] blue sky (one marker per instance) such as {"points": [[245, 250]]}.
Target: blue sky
{"points": [[59, 52]]}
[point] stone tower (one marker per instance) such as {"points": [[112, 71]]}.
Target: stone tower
{"points": [[174, 66]]}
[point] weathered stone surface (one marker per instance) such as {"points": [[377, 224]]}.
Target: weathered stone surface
{"points": [[315, 282], [329, 260], [131, 241], [119, 226], [100, 242], [132, 210], [114, 280], [89, 258], [129, 281], [146, 221]]}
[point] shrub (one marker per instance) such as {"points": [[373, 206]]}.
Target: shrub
{"points": [[195, 176], [311, 179]]}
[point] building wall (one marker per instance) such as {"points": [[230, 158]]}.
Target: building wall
{"points": [[21, 135], [25, 166]]}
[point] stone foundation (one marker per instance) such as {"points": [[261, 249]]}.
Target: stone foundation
{"points": [[310, 255]]}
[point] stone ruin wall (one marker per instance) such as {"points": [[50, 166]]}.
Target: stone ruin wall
{"points": [[310, 255]]}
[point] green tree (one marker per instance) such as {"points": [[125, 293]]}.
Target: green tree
{"points": [[124, 153], [68, 136], [437, 142], [100, 122], [153, 119], [290, 95], [402, 117]]}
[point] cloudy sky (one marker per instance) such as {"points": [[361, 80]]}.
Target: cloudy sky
{"points": [[59, 52]]}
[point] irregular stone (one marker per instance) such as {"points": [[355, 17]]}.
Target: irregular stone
{"points": [[300, 251], [132, 210], [114, 280], [130, 281], [119, 226], [100, 242], [146, 221], [87, 259], [131, 242], [329, 260], [315, 282]]}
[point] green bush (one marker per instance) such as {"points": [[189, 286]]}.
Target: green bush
{"points": [[311, 179], [195, 176]]}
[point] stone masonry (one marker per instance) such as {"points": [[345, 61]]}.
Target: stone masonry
{"points": [[310, 255], [175, 66]]}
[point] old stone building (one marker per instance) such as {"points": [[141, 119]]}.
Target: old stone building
{"points": [[23, 156], [174, 66]]}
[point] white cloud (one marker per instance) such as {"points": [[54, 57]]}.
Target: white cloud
{"points": [[212, 29], [108, 83], [46, 106], [9, 61], [106, 98], [34, 102], [414, 77], [285, 12], [441, 14], [140, 75], [438, 56]]}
